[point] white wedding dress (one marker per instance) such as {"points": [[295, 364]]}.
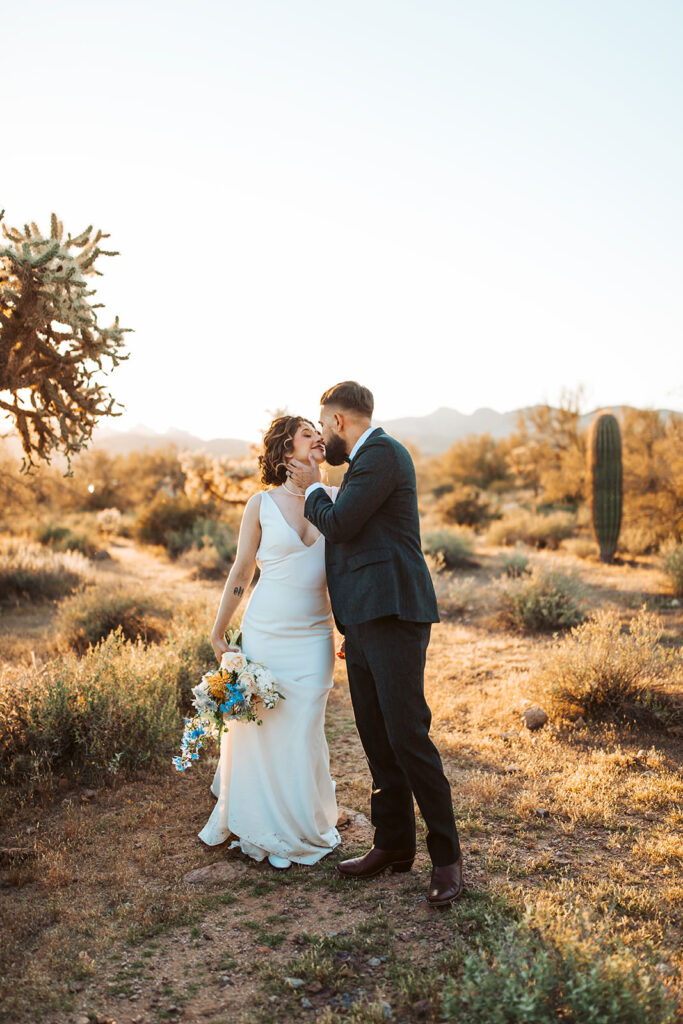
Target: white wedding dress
{"points": [[273, 784]]}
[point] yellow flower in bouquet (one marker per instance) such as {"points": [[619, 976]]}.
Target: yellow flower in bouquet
{"points": [[216, 681]]}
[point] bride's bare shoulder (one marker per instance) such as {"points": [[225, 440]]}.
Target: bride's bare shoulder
{"points": [[252, 508]]}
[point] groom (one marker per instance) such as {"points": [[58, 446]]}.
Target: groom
{"points": [[383, 601]]}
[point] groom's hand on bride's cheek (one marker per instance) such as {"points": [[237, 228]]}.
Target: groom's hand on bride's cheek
{"points": [[303, 474]]}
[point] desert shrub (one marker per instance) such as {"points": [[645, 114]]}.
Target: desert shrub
{"points": [[542, 601], [548, 531], [464, 506], [516, 564], [454, 594], [672, 564], [109, 520], [453, 546], [208, 546], [600, 672], [540, 531], [29, 571], [520, 974], [120, 703], [638, 540], [580, 547], [653, 474], [478, 460], [165, 518], [63, 538], [205, 562], [89, 617]]}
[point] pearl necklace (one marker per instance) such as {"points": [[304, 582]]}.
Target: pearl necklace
{"points": [[295, 493]]}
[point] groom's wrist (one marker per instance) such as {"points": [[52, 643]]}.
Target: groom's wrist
{"points": [[312, 487]]}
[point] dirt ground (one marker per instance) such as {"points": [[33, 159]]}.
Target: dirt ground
{"points": [[101, 924]]}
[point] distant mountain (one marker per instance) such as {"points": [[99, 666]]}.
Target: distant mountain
{"points": [[430, 434], [436, 432], [121, 442]]}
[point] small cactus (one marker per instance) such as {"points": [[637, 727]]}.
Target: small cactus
{"points": [[605, 482]]}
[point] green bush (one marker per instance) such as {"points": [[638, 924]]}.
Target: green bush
{"points": [[30, 571], [601, 672], [89, 617], [543, 601], [166, 517], [120, 703], [454, 547], [516, 564], [519, 975], [208, 547], [62, 538], [535, 529], [183, 528], [672, 564]]}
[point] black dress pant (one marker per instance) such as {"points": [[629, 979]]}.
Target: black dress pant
{"points": [[385, 660]]}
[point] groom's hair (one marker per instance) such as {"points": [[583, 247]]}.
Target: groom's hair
{"points": [[350, 396]]}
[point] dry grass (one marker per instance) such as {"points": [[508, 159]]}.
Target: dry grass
{"points": [[520, 526], [580, 547], [29, 571]]}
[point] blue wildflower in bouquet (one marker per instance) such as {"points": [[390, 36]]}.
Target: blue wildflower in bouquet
{"points": [[236, 691]]}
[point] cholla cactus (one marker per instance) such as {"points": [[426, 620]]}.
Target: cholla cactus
{"points": [[51, 346], [215, 478]]}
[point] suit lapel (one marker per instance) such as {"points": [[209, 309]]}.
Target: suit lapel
{"points": [[345, 478]]}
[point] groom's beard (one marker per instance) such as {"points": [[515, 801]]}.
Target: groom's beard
{"points": [[335, 451]]}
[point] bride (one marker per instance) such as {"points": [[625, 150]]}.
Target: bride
{"points": [[273, 786]]}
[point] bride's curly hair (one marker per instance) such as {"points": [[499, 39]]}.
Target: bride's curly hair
{"points": [[277, 445]]}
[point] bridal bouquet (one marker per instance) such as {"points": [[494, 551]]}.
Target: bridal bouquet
{"points": [[235, 691]]}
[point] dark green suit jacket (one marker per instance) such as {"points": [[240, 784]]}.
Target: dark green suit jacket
{"points": [[374, 559]]}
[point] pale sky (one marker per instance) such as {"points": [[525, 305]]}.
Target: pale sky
{"points": [[456, 203]]}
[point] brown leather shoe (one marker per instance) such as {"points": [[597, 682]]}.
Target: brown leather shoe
{"points": [[376, 860], [446, 884]]}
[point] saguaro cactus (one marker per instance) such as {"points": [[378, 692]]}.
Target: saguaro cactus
{"points": [[605, 482]]}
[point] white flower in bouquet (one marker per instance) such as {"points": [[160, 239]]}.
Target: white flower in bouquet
{"points": [[267, 690], [247, 681], [233, 661], [264, 676]]}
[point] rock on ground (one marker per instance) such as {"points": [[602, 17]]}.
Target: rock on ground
{"points": [[534, 717]]}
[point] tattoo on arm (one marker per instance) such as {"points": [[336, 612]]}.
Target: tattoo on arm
{"points": [[238, 591]]}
